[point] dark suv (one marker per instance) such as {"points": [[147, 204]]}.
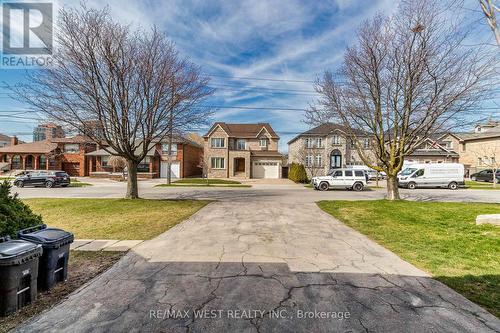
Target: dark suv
{"points": [[43, 178], [485, 176]]}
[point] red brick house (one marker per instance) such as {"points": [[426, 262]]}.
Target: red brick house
{"points": [[67, 154], [186, 155]]}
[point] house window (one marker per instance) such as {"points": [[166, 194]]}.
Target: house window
{"points": [[144, 165], [447, 144], [218, 142], [263, 143], [309, 160], [319, 160], [335, 140], [217, 163], [164, 149], [479, 161], [353, 144], [463, 147], [366, 143], [309, 143], [241, 144], [104, 161], [319, 142], [71, 148]]}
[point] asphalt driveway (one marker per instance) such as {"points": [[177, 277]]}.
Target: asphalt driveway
{"points": [[256, 266]]}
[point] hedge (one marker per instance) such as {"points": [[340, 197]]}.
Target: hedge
{"points": [[297, 173], [14, 214]]}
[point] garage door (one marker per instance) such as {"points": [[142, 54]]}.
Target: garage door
{"points": [[72, 169], [175, 167], [266, 169]]}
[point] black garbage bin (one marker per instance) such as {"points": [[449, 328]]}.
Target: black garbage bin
{"points": [[18, 274], [53, 265]]}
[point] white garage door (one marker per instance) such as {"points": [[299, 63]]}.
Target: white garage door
{"points": [[266, 169], [176, 169]]}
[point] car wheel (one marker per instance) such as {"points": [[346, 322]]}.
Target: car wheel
{"points": [[453, 186], [357, 187], [49, 184], [412, 185], [64, 185], [20, 184], [473, 179], [324, 186]]}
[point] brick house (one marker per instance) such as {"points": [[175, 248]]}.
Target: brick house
{"points": [[185, 157], [242, 151], [326, 147], [67, 154]]}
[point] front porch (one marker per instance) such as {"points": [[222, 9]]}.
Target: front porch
{"points": [[100, 167]]}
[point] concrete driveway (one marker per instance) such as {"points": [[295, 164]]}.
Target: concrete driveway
{"points": [[263, 265]]}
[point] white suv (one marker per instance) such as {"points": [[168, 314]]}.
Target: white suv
{"points": [[341, 178]]}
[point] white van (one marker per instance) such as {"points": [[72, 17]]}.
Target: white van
{"points": [[450, 175]]}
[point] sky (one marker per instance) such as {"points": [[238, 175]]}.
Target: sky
{"points": [[262, 55]]}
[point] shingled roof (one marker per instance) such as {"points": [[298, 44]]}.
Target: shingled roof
{"points": [[324, 130], [38, 147], [244, 131]]}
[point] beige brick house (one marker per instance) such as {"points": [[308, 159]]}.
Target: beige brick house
{"points": [[242, 151], [326, 147]]}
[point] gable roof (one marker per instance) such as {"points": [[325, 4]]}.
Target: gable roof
{"points": [[324, 130], [37, 147], [245, 131]]}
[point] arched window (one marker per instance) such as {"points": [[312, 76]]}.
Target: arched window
{"points": [[42, 162], [335, 159], [16, 162]]}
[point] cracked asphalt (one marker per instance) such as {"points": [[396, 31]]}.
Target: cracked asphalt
{"points": [[263, 266]]}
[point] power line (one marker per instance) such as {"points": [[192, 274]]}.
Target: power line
{"points": [[260, 78]]}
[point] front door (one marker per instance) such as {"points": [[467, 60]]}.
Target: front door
{"points": [[239, 165], [335, 159]]}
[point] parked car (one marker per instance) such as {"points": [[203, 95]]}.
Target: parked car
{"points": [[485, 176], [450, 175], [341, 179], [43, 178]]}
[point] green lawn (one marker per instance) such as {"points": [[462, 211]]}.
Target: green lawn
{"points": [[77, 183], [200, 182], [480, 185], [438, 237], [114, 218]]}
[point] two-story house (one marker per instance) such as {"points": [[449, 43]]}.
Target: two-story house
{"points": [[326, 147], [67, 154], [185, 158], [242, 151]]}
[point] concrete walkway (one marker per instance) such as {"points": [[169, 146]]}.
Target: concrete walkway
{"points": [[263, 267]]}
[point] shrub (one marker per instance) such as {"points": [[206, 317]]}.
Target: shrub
{"points": [[14, 214], [297, 173]]}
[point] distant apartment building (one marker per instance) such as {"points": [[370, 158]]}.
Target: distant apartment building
{"points": [[47, 131], [4, 140]]}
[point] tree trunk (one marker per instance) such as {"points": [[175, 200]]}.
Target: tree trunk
{"points": [[169, 160], [392, 188], [132, 186]]}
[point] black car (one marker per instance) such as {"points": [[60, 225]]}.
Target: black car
{"points": [[485, 176], [43, 178]]}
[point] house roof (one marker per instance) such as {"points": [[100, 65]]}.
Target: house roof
{"points": [[103, 152], [493, 133], [324, 130], [245, 131], [38, 147], [434, 152]]}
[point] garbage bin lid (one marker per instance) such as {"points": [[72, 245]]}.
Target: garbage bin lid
{"points": [[15, 252], [49, 237]]}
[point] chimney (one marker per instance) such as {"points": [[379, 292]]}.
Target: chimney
{"points": [[14, 141]]}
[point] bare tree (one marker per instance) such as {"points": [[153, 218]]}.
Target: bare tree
{"points": [[407, 77], [490, 10], [118, 163], [132, 85], [490, 159], [204, 165]]}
